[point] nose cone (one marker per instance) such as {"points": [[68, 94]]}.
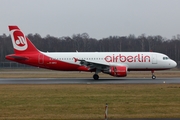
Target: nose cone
{"points": [[173, 64]]}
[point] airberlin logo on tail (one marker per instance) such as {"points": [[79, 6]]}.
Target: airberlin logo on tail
{"points": [[19, 40]]}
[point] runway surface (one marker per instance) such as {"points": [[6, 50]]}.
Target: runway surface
{"points": [[87, 81]]}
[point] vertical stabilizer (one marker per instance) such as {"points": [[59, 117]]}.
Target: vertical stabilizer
{"points": [[20, 42]]}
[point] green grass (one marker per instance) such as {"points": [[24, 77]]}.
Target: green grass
{"points": [[88, 101]]}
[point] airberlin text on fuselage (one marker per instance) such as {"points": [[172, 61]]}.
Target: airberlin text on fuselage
{"points": [[129, 58]]}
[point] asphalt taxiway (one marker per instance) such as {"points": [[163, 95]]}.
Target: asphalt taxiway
{"points": [[88, 81]]}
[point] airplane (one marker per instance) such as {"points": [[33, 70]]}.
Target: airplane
{"points": [[116, 64]]}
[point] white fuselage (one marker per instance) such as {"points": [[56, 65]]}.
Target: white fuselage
{"points": [[133, 60]]}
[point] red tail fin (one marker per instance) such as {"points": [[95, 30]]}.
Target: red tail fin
{"points": [[20, 42]]}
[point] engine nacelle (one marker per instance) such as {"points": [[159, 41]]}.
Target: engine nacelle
{"points": [[118, 71]]}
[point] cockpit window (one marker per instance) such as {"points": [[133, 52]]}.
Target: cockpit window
{"points": [[165, 58]]}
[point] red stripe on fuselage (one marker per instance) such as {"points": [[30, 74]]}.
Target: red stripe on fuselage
{"points": [[43, 61]]}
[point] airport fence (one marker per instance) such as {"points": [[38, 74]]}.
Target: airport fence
{"points": [[14, 65]]}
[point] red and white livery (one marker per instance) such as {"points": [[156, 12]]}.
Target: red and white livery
{"points": [[113, 63]]}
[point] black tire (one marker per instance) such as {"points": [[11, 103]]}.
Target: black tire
{"points": [[153, 77], [96, 77]]}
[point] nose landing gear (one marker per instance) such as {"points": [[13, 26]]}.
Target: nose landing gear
{"points": [[153, 76]]}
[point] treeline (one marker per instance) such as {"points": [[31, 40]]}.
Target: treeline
{"points": [[84, 43]]}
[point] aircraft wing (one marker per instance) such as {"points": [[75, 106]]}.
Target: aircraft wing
{"points": [[97, 65]]}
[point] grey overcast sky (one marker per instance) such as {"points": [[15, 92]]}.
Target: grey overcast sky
{"points": [[98, 18]]}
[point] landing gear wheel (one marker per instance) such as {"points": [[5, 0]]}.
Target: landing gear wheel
{"points": [[96, 77], [153, 77]]}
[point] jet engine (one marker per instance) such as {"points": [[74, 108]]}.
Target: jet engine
{"points": [[117, 71]]}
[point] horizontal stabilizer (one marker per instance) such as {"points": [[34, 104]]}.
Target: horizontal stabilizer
{"points": [[16, 57]]}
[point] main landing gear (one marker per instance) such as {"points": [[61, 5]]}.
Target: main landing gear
{"points": [[96, 76], [153, 76]]}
